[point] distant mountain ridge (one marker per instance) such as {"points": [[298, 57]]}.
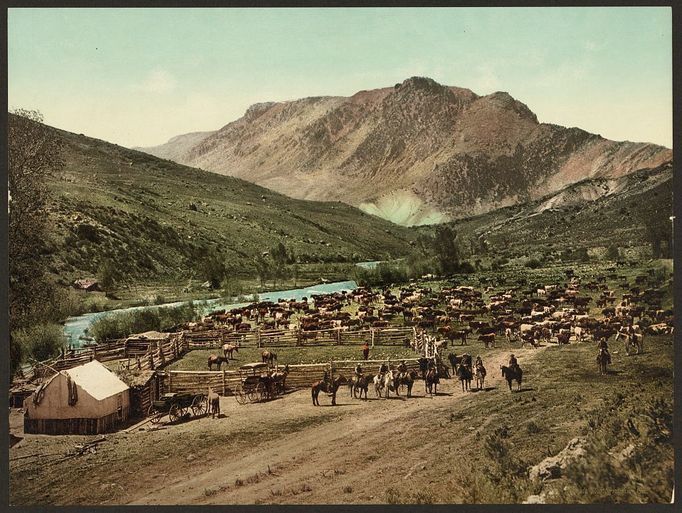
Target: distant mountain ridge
{"points": [[416, 153]]}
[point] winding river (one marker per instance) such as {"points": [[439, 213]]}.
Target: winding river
{"points": [[75, 327]]}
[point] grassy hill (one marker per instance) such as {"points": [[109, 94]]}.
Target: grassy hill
{"points": [[154, 220]]}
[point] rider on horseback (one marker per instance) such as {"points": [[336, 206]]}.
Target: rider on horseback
{"points": [[513, 364], [358, 372], [383, 369], [604, 346], [479, 364], [402, 368]]}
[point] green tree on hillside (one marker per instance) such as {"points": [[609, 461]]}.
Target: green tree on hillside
{"points": [[212, 268], [34, 154], [446, 250]]}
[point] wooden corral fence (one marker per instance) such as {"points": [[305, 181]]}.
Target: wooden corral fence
{"points": [[140, 354], [300, 376], [215, 338]]}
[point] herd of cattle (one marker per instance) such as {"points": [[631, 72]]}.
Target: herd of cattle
{"points": [[530, 313]]}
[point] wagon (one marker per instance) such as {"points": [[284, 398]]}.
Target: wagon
{"points": [[177, 406], [255, 383]]}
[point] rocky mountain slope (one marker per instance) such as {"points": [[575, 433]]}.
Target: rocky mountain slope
{"points": [[415, 153]]}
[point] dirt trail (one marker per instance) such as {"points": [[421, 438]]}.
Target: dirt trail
{"points": [[387, 439]]}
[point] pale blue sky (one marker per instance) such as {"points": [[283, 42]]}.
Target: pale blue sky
{"points": [[137, 77]]}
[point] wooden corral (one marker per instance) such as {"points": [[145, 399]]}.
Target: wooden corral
{"points": [[144, 390], [300, 376]]}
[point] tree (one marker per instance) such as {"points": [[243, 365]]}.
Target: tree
{"points": [[34, 155], [446, 249], [212, 268]]}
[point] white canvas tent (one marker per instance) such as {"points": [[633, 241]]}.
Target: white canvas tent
{"points": [[87, 399]]}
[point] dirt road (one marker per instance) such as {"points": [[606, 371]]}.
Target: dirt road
{"points": [[352, 454]]}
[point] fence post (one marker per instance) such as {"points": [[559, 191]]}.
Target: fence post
{"points": [[371, 331], [224, 389], [258, 337], [170, 381], [331, 370], [338, 335]]}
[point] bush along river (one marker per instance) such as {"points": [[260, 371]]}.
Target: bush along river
{"points": [[76, 328]]}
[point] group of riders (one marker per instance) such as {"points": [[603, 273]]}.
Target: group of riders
{"points": [[403, 370]]}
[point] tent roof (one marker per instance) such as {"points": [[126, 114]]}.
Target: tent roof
{"points": [[97, 380]]}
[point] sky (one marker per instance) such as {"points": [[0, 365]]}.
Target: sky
{"points": [[138, 77]]}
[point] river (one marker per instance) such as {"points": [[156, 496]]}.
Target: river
{"points": [[75, 327]]}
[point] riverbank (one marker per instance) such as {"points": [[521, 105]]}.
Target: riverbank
{"points": [[76, 328]]}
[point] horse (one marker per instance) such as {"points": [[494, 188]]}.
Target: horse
{"points": [[279, 378], [383, 382], [326, 386], [228, 349], [217, 361], [360, 383], [480, 376], [602, 361], [454, 361], [511, 374], [431, 381], [465, 375], [634, 341], [268, 356], [213, 403], [404, 379]]}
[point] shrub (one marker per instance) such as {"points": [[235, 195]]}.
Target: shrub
{"points": [[533, 263], [40, 341]]}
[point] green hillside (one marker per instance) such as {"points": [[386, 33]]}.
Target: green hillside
{"points": [[156, 220]]}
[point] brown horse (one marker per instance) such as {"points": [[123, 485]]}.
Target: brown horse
{"points": [[431, 381], [465, 376], [511, 374], [268, 356], [406, 379], [360, 383], [213, 403], [228, 349], [602, 361], [329, 388], [216, 360]]}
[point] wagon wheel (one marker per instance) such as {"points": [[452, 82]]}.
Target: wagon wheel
{"points": [[254, 393], [239, 395], [199, 405], [155, 416], [174, 413], [262, 391]]}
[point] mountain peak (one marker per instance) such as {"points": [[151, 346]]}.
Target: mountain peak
{"points": [[419, 83], [415, 152], [506, 101]]}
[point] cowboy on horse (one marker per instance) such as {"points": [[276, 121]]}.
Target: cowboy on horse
{"points": [[402, 369], [513, 364], [479, 364], [603, 346], [383, 369], [358, 372]]}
